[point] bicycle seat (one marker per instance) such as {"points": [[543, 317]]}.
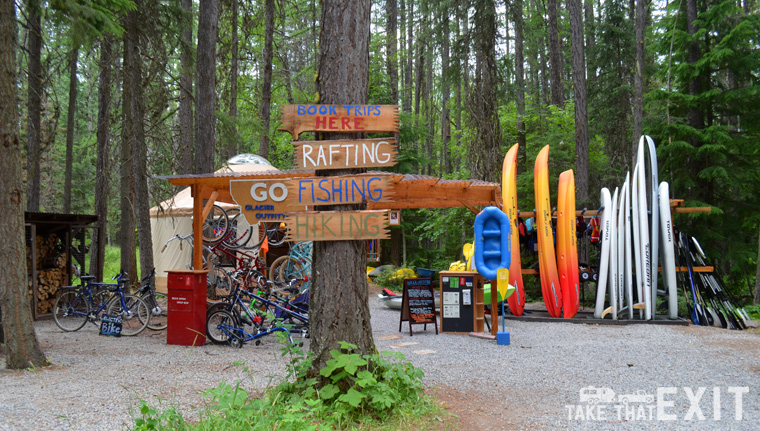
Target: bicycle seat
{"points": [[87, 277]]}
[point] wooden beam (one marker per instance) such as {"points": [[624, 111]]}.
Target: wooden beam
{"points": [[209, 204], [470, 207], [222, 195]]}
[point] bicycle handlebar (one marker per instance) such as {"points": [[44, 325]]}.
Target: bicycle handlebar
{"points": [[181, 239]]}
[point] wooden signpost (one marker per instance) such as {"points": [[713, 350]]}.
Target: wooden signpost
{"points": [[345, 189], [262, 200], [339, 118], [345, 153], [271, 200], [337, 225], [418, 304]]}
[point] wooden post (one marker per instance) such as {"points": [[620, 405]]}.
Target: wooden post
{"points": [[197, 226]]}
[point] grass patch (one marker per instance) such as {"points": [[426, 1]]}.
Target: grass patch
{"points": [[363, 392]]}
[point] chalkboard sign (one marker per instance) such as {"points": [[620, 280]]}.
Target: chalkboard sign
{"points": [[111, 326], [418, 304]]}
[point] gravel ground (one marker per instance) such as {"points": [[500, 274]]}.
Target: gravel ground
{"points": [[534, 383]]}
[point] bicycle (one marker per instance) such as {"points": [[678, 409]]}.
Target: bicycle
{"points": [[218, 280], [76, 306], [296, 264], [226, 322], [157, 301]]}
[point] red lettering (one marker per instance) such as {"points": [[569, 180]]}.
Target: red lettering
{"points": [[333, 126], [345, 123], [321, 122], [358, 123]]}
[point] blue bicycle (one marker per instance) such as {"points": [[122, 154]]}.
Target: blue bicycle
{"points": [[89, 302], [239, 321]]}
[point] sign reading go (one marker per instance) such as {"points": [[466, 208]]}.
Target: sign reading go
{"points": [[261, 200]]}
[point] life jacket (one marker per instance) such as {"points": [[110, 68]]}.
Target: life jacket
{"points": [[594, 228]]}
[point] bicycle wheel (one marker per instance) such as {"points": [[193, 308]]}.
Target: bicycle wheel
{"points": [[136, 316], [219, 325], [276, 233], [158, 304], [218, 285], [291, 268], [215, 225], [274, 268], [239, 236], [70, 311]]}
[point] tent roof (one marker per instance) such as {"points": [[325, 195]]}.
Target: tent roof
{"points": [[181, 204]]}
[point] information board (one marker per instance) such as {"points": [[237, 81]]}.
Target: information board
{"points": [[418, 304], [461, 308]]}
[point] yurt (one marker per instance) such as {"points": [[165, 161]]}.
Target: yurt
{"points": [[174, 216]]}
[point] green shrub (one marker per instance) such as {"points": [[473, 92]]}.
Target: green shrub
{"points": [[363, 392], [393, 279]]}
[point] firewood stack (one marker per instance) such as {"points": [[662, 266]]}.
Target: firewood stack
{"points": [[51, 271]]}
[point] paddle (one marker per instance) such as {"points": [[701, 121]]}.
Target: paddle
{"points": [[697, 315]]}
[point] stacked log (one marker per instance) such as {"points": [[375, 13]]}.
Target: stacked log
{"points": [[51, 271]]}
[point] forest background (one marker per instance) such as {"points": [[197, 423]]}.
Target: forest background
{"points": [[115, 92]]}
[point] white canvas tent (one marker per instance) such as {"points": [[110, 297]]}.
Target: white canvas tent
{"points": [[174, 216]]}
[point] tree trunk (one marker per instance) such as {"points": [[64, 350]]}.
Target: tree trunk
{"points": [[205, 95], [21, 347], [555, 56], [581, 108], [34, 106], [695, 114], [102, 172], [589, 29], [266, 79], [485, 153], [139, 148], [185, 153], [232, 146], [757, 276], [127, 191], [638, 74], [401, 57], [517, 14], [391, 10], [339, 309], [408, 73], [70, 129], [446, 161]]}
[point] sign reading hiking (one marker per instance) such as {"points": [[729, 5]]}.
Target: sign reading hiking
{"points": [[337, 225], [339, 118], [345, 154]]}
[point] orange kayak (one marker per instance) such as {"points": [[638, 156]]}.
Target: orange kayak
{"points": [[550, 287], [567, 246], [509, 197]]}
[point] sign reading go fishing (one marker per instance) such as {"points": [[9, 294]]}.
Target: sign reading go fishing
{"points": [[297, 119], [270, 200]]}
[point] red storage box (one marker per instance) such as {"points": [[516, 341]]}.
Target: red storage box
{"points": [[186, 314]]}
